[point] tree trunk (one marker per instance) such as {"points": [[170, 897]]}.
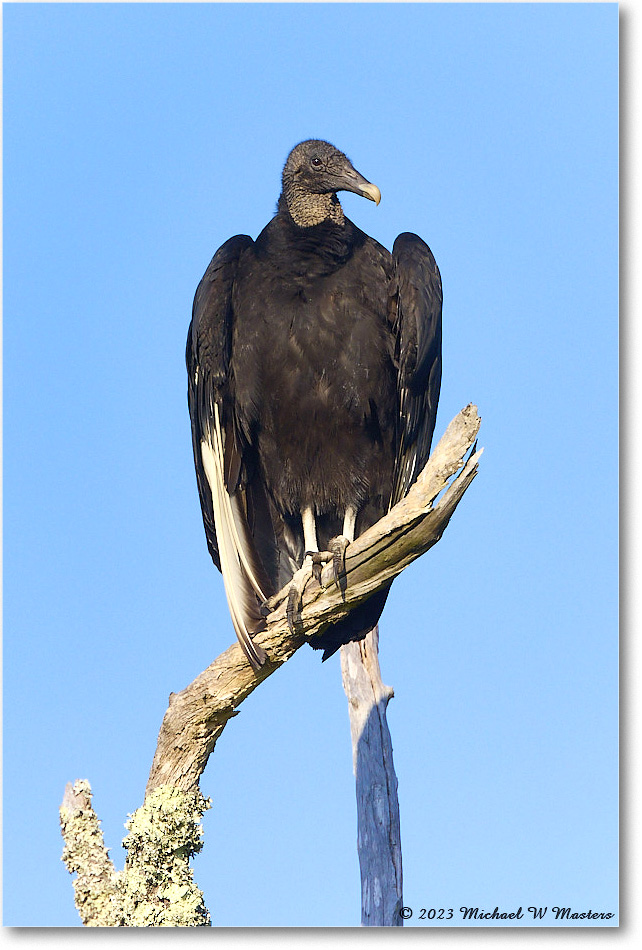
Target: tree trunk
{"points": [[378, 830]]}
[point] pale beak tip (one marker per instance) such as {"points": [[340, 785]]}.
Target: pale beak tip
{"points": [[372, 192]]}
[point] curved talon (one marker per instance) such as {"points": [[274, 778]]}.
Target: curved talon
{"points": [[295, 592], [337, 547], [293, 609], [273, 602], [313, 564], [319, 560]]}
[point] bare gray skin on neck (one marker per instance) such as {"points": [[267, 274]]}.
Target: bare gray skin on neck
{"points": [[308, 209]]}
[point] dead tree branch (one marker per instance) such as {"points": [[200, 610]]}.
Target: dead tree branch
{"points": [[198, 714]]}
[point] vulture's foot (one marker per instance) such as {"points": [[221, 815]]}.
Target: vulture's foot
{"points": [[295, 591], [336, 554], [312, 567], [319, 560], [338, 548]]}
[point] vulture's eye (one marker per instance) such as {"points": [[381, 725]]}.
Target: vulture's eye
{"points": [[316, 162]]}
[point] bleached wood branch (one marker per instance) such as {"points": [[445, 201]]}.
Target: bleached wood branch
{"points": [[156, 887], [198, 714]]}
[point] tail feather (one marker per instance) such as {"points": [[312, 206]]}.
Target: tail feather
{"points": [[239, 565], [236, 519]]}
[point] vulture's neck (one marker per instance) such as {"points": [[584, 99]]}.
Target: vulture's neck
{"points": [[307, 209]]}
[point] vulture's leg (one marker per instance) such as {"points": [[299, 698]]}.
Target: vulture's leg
{"points": [[303, 575], [349, 522], [339, 544], [317, 558], [314, 559], [310, 542]]}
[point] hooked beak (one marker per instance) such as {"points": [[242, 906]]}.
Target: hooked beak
{"points": [[371, 191], [351, 180]]}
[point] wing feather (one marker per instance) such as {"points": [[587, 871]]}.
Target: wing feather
{"points": [[416, 303], [217, 458]]}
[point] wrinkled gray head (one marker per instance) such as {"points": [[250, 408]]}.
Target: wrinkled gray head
{"points": [[314, 171]]}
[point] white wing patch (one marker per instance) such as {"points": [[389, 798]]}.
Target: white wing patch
{"points": [[232, 538]]}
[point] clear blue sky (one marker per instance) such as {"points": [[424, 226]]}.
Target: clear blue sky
{"points": [[137, 138]]}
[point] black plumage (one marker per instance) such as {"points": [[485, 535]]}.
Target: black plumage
{"points": [[314, 367]]}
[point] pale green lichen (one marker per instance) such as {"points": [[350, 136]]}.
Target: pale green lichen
{"points": [[157, 885], [95, 887]]}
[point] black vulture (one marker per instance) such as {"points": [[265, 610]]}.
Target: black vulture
{"points": [[314, 368]]}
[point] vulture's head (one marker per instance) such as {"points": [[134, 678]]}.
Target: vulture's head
{"points": [[313, 173]]}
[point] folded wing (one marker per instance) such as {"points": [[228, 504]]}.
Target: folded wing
{"points": [[416, 302], [218, 456]]}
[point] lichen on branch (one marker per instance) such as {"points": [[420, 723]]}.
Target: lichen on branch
{"points": [[156, 888], [157, 884], [96, 887]]}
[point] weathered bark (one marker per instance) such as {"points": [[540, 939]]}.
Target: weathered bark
{"points": [[378, 828], [156, 888]]}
